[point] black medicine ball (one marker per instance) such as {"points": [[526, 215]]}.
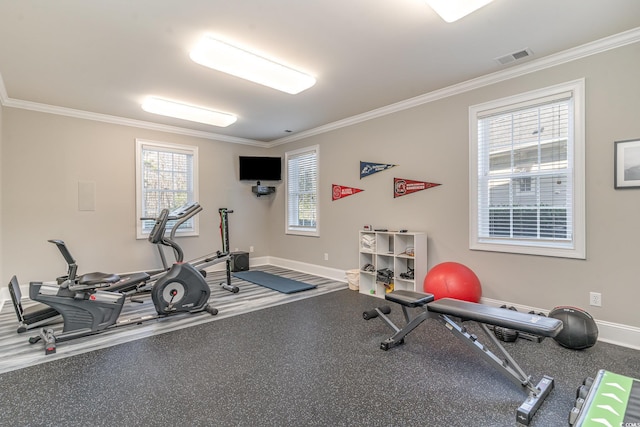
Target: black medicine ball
{"points": [[579, 330]]}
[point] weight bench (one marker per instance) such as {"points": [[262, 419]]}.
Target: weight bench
{"points": [[444, 309]]}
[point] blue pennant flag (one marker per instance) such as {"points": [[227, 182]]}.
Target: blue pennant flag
{"points": [[368, 168]]}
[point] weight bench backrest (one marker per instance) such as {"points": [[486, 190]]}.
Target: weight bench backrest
{"points": [[532, 323]]}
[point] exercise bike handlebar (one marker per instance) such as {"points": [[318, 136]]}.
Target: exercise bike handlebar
{"points": [[63, 250], [73, 267]]}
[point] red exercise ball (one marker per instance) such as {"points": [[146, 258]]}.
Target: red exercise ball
{"points": [[453, 280]]}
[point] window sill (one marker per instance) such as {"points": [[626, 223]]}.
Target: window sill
{"points": [[568, 251], [303, 233]]}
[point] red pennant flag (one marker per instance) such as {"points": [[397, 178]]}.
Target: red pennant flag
{"points": [[402, 187], [340, 191]]}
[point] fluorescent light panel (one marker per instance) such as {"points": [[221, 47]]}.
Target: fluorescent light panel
{"points": [[452, 10], [184, 111], [221, 56]]}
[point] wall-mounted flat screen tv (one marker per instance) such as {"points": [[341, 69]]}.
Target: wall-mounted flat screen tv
{"points": [[260, 168]]}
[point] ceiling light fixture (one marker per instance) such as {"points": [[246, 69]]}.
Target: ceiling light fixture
{"points": [[224, 57], [452, 10], [183, 111]]}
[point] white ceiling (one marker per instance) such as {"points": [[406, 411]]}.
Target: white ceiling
{"points": [[103, 57]]}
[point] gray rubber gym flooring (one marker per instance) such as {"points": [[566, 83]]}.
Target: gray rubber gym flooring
{"points": [[309, 362]]}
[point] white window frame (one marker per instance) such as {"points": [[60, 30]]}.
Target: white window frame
{"points": [[300, 230], [575, 247], [189, 228]]}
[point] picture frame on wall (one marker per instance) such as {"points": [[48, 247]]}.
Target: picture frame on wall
{"points": [[627, 164]]}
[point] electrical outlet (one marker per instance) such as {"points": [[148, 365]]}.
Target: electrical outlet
{"points": [[595, 299], [250, 248], [326, 256]]}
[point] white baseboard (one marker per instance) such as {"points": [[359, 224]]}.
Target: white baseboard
{"points": [[609, 332], [316, 270]]}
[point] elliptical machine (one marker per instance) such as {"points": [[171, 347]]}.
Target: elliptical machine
{"points": [[87, 310], [182, 214], [183, 287]]}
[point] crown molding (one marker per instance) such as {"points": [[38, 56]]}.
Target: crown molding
{"points": [[105, 118], [598, 46], [588, 49]]}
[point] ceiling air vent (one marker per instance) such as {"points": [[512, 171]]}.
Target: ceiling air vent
{"points": [[515, 56]]}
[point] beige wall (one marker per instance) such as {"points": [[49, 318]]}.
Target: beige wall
{"points": [[431, 143], [1, 209], [44, 156]]}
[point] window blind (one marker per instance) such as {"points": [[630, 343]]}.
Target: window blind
{"points": [[302, 190], [525, 172]]}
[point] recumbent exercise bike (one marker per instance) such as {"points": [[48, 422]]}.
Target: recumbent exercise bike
{"points": [[87, 310]]}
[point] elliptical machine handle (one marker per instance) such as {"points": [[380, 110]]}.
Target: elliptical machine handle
{"points": [[157, 232], [157, 235]]}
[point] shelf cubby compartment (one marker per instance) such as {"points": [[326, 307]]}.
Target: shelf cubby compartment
{"points": [[368, 283], [384, 243], [368, 242]]}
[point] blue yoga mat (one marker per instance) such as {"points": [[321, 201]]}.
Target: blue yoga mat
{"points": [[271, 281]]}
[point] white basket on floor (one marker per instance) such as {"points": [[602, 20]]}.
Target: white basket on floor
{"points": [[353, 278]]}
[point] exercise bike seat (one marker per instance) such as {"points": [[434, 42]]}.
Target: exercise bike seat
{"points": [[96, 279]]}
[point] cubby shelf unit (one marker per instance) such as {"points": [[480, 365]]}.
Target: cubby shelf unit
{"points": [[396, 251]]}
